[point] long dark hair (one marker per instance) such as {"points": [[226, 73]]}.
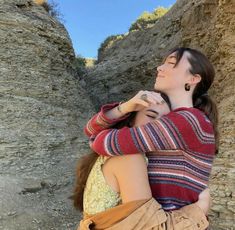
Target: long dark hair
{"points": [[85, 164], [201, 100]]}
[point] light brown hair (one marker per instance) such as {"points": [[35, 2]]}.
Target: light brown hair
{"points": [[85, 164]]}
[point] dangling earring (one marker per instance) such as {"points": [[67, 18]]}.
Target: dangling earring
{"points": [[187, 87]]}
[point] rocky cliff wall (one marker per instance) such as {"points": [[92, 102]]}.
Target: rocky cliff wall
{"points": [[44, 104], [129, 65], [43, 109]]}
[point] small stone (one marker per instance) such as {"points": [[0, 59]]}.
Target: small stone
{"points": [[11, 213]]}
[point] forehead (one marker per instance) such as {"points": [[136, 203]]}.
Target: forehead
{"points": [[184, 59], [154, 107]]}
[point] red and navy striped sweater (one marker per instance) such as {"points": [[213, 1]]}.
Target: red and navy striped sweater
{"points": [[180, 147]]}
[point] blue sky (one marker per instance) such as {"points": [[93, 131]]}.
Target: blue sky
{"points": [[89, 22]]}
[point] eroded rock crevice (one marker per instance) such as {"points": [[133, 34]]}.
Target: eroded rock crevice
{"points": [[45, 104]]}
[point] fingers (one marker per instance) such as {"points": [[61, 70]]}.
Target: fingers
{"points": [[147, 98], [157, 97], [143, 102], [136, 103], [151, 97]]}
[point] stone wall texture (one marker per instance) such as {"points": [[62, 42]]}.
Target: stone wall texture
{"points": [[42, 116], [44, 104], [129, 65]]}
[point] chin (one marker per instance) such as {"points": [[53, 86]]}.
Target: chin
{"points": [[156, 87]]}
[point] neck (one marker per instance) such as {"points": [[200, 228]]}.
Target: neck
{"points": [[183, 100]]}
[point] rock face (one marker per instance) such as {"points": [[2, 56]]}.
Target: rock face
{"points": [[44, 105], [43, 109], [129, 65]]}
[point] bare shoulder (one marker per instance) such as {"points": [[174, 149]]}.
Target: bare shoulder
{"points": [[132, 177], [127, 162], [127, 158]]}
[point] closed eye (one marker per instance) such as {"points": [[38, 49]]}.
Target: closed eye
{"points": [[171, 60], [153, 117], [152, 113]]}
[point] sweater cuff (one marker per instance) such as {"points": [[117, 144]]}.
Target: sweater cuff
{"points": [[195, 213], [108, 107]]}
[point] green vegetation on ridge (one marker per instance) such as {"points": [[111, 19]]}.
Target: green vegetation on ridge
{"points": [[145, 20]]}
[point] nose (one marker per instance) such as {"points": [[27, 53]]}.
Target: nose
{"points": [[160, 68]]}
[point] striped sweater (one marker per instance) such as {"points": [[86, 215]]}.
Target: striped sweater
{"points": [[180, 147]]}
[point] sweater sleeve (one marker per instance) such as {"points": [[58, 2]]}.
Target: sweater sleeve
{"points": [[100, 122], [176, 130]]}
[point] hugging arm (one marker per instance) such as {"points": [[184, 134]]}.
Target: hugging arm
{"points": [[170, 132], [177, 130], [108, 141], [100, 121]]}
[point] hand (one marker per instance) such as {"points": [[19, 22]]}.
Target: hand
{"points": [[204, 200], [141, 100]]}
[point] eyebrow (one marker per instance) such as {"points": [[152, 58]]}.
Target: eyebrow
{"points": [[153, 111], [172, 56], [169, 57]]}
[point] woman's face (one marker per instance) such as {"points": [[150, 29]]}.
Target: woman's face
{"points": [[151, 113], [171, 77]]}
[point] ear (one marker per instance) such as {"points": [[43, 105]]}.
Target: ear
{"points": [[195, 79]]}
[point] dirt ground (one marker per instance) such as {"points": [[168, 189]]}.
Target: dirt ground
{"points": [[38, 199]]}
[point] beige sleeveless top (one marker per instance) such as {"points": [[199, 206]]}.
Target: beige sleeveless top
{"points": [[98, 195]]}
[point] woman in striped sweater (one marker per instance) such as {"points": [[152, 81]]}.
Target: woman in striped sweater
{"points": [[181, 145], [103, 189]]}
